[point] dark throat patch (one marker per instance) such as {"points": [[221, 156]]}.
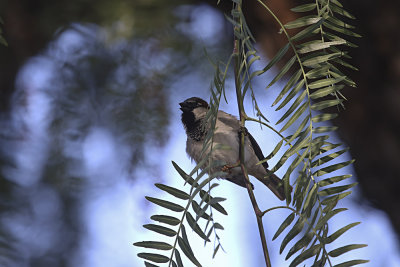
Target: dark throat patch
{"points": [[194, 128]]}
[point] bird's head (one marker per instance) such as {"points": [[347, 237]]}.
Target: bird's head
{"points": [[194, 110], [192, 103]]}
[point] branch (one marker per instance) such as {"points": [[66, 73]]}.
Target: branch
{"points": [[243, 116]]}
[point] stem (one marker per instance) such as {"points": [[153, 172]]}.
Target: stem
{"points": [[243, 116]]}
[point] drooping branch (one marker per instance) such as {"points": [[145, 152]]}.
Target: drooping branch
{"points": [[243, 116]]}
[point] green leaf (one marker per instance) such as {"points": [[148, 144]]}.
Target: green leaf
{"points": [[200, 211], [324, 117], [320, 262], [292, 93], [316, 145], [166, 204], [186, 243], [318, 45], [216, 250], [335, 189], [153, 257], [218, 226], [299, 130], [295, 116], [310, 198], [340, 11], [148, 264], [332, 168], [345, 64], [287, 189], [188, 251], [160, 229], [154, 245], [302, 243], [339, 232], [301, 182], [341, 29], [173, 191], [336, 2], [333, 37], [339, 23], [215, 205], [206, 182], [296, 229], [195, 226], [165, 219], [178, 258], [326, 91], [283, 226], [296, 162], [314, 218], [333, 180], [320, 59], [283, 71], [295, 104], [328, 146], [300, 143], [325, 129], [338, 197], [331, 205], [318, 72], [184, 175], [215, 200], [304, 8], [326, 104], [351, 263], [339, 251], [325, 82], [307, 31], [302, 21], [305, 255], [295, 77], [325, 159], [324, 219], [277, 57]]}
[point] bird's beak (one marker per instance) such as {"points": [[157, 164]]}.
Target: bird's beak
{"points": [[183, 107]]}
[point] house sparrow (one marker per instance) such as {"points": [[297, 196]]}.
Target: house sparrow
{"points": [[227, 133]]}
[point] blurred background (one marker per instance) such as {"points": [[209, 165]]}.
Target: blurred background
{"points": [[89, 121]]}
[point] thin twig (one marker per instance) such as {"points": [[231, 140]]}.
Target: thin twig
{"points": [[243, 116]]}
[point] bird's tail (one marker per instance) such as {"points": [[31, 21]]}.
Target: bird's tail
{"points": [[275, 184]]}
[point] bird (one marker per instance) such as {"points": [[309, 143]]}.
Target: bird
{"points": [[226, 136]]}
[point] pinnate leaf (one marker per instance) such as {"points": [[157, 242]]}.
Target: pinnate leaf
{"points": [[153, 257], [285, 224], [154, 245], [165, 204], [173, 191], [160, 229]]}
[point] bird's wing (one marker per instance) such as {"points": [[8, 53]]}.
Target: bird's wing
{"points": [[256, 148], [228, 119]]}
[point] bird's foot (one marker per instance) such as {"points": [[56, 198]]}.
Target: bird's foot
{"points": [[227, 168], [243, 130]]}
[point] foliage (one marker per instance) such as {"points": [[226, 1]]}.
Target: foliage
{"points": [[318, 48], [200, 190]]}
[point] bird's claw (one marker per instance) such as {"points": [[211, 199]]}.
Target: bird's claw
{"points": [[227, 168], [243, 130]]}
